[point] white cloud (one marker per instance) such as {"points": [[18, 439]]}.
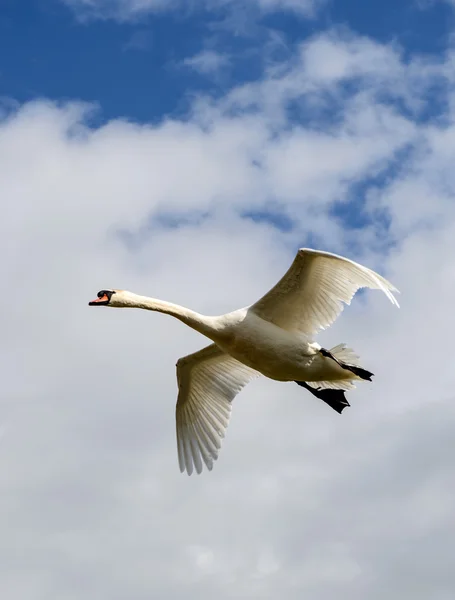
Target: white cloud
{"points": [[302, 502], [125, 10], [122, 10], [207, 62], [304, 7]]}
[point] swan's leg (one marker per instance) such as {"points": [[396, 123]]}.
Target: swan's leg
{"points": [[334, 398], [362, 373]]}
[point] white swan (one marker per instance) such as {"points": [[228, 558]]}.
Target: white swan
{"points": [[273, 337]]}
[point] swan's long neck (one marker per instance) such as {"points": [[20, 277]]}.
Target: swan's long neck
{"points": [[201, 323]]}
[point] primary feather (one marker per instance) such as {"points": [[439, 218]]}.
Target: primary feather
{"points": [[310, 296], [208, 381]]}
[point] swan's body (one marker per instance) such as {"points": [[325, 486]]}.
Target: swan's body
{"points": [[273, 337]]}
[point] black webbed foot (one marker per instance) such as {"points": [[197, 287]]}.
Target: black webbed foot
{"points": [[334, 398]]}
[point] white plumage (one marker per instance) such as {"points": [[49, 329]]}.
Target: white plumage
{"points": [[309, 296], [208, 381], [273, 337]]}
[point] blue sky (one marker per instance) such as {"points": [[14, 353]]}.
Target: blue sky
{"points": [[136, 69]]}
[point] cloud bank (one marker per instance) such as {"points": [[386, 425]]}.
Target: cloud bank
{"points": [[126, 10], [302, 502]]}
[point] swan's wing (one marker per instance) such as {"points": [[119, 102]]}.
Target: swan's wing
{"points": [[310, 296], [208, 381]]}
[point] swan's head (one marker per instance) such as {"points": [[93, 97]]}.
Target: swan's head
{"points": [[103, 298], [116, 298]]}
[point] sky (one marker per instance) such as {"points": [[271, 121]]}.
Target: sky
{"points": [[185, 151]]}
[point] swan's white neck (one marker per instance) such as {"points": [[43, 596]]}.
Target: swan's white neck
{"points": [[208, 326]]}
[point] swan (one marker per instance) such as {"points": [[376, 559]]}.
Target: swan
{"points": [[273, 337]]}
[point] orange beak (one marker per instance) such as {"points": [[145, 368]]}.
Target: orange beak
{"points": [[101, 300]]}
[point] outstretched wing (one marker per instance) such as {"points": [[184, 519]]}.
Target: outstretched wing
{"points": [[208, 381], [310, 296]]}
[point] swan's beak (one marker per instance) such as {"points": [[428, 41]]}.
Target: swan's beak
{"points": [[103, 301]]}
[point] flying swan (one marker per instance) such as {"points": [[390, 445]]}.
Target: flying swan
{"points": [[273, 337]]}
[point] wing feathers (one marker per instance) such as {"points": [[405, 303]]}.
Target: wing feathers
{"points": [[314, 290], [208, 382]]}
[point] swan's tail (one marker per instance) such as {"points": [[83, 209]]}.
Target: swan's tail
{"points": [[348, 359], [332, 392], [345, 354]]}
